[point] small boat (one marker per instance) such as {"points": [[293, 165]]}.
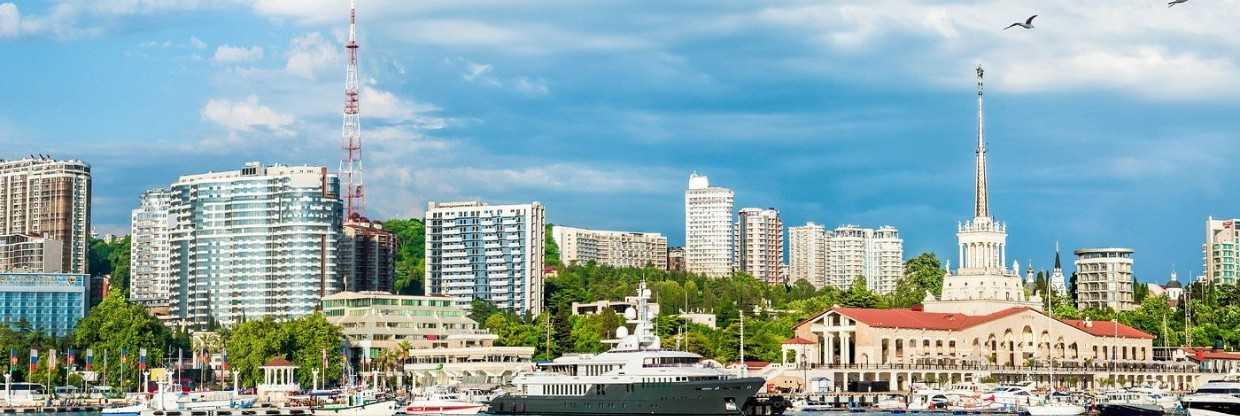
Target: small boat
{"points": [[810, 405], [1056, 409], [1131, 409], [364, 403], [131, 410], [442, 403]]}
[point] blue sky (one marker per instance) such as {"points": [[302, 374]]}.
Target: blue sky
{"points": [[1111, 124]]}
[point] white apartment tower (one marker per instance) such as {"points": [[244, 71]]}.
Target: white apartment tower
{"points": [[42, 197], [150, 245], [1221, 251], [252, 243], [760, 244], [1104, 278], [610, 248], [875, 254], [709, 237], [488, 252], [808, 250]]}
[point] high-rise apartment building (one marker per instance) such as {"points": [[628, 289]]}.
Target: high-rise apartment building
{"points": [[709, 244], [150, 249], [610, 248], [808, 251], [23, 253], [490, 252], [49, 199], [252, 243], [1221, 251], [760, 244], [875, 254], [676, 259], [367, 257], [1104, 278]]}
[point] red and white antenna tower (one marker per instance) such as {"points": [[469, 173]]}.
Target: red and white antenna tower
{"points": [[351, 166]]}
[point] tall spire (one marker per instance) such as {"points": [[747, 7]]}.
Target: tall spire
{"points": [[981, 203], [1057, 266], [351, 166]]}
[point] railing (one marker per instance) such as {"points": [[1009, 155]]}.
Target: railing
{"points": [[1091, 368]]}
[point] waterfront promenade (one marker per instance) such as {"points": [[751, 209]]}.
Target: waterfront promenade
{"points": [[1177, 376]]}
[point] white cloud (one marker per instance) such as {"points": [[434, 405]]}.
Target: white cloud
{"points": [[197, 43], [246, 116], [10, 20], [376, 103], [1137, 48], [531, 86], [232, 54], [311, 54]]}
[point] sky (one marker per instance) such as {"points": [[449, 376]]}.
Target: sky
{"points": [[1112, 123]]}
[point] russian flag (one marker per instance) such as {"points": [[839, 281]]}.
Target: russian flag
{"points": [[34, 360]]}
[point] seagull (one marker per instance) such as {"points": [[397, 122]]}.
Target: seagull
{"points": [[1175, 2], [1029, 23]]}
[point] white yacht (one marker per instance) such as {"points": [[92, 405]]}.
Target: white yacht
{"points": [[636, 376], [1215, 398]]}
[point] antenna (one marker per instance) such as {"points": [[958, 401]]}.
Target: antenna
{"points": [[351, 134]]}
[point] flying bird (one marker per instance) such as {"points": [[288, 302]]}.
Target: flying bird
{"points": [[1175, 2], [1029, 23]]}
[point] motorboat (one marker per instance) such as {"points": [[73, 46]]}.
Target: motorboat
{"points": [[1214, 398], [1136, 402], [362, 403], [130, 410], [1056, 409], [928, 399], [443, 403]]}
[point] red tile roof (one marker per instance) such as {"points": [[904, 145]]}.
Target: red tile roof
{"points": [[915, 319], [798, 341], [1108, 329], [918, 319], [1202, 354], [278, 362]]}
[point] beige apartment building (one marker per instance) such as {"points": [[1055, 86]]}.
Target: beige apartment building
{"points": [[760, 244], [1104, 278], [23, 253], [611, 248], [48, 198]]}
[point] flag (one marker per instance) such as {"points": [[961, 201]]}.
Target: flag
{"points": [[142, 359], [12, 357], [51, 360], [71, 357], [225, 365], [124, 356], [325, 358], [90, 358], [34, 360]]}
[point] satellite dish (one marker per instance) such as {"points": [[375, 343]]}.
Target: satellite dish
{"points": [[622, 332], [630, 314]]}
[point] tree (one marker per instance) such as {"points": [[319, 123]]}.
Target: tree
{"points": [[250, 344], [112, 258], [310, 339], [480, 310], [117, 325], [922, 274], [411, 255], [1139, 291], [860, 296], [551, 251]]}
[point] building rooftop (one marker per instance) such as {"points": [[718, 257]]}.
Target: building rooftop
{"points": [[917, 319]]}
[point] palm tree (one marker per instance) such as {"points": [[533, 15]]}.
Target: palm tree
{"points": [[402, 358]]}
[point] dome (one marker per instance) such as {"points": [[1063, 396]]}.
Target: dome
{"points": [[1174, 284]]}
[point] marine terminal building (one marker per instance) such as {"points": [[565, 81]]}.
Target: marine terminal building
{"points": [[982, 326]]}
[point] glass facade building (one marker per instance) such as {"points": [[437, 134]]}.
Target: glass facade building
{"points": [[253, 243], [49, 302]]}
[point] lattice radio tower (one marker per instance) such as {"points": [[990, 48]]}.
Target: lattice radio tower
{"points": [[351, 165]]}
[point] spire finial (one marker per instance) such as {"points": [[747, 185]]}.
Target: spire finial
{"points": [[981, 203]]}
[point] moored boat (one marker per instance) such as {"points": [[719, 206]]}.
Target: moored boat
{"points": [[636, 376], [1215, 398], [443, 403]]}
